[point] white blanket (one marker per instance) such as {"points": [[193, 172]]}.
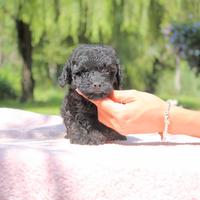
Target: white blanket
{"points": [[36, 163]]}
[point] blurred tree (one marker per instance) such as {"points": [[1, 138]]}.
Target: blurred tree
{"points": [[185, 39], [24, 39], [25, 48], [48, 30], [179, 12]]}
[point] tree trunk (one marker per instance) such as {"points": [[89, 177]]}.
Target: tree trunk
{"points": [[25, 49]]}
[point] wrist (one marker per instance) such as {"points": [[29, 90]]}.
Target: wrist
{"points": [[161, 118], [178, 120]]}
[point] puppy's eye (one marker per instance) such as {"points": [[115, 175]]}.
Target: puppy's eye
{"points": [[78, 73], [113, 69]]}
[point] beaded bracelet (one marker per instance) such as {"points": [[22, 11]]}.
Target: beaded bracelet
{"points": [[166, 122]]}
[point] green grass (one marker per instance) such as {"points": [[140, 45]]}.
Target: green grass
{"points": [[185, 101], [47, 101], [49, 107], [188, 102]]}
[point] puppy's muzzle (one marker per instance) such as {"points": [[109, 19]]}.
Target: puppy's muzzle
{"points": [[97, 86]]}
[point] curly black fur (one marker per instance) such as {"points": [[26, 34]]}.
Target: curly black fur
{"points": [[95, 71]]}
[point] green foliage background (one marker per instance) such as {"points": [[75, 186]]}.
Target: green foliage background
{"points": [[135, 28]]}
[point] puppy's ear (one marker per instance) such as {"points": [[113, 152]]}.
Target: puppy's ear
{"points": [[65, 77], [118, 77]]}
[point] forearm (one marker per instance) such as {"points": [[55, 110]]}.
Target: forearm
{"points": [[183, 121]]}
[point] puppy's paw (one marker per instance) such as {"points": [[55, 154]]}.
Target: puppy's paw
{"points": [[112, 135], [92, 138]]}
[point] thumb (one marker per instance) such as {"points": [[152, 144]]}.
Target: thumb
{"points": [[124, 96]]}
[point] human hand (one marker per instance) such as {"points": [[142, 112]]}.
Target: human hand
{"points": [[131, 111]]}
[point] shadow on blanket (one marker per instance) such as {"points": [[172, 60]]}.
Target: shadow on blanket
{"points": [[20, 124]]}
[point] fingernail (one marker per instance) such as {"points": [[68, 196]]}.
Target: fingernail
{"points": [[78, 91]]}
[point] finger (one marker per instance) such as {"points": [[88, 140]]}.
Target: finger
{"points": [[104, 118], [106, 104], [91, 100], [124, 96], [79, 92]]}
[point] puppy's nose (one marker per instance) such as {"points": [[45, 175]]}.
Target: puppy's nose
{"points": [[97, 85]]}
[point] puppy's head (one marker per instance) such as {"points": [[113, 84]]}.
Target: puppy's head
{"points": [[92, 69]]}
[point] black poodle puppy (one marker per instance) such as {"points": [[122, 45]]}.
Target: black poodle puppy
{"points": [[95, 71]]}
